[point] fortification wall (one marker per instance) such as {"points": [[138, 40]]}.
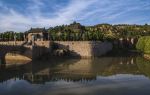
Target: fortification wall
{"points": [[76, 48], [85, 48], [12, 42], [45, 44], [40, 48]]}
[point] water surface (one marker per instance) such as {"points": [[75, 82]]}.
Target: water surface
{"points": [[100, 76]]}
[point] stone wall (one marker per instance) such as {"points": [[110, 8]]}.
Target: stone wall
{"points": [[85, 48], [12, 43], [41, 48], [74, 48], [31, 51], [38, 49], [45, 44]]}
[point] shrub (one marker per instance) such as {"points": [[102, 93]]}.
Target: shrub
{"points": [[143, 44]]}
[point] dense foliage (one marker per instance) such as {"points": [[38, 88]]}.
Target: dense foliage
{"points": [[11, 36], [143, 44], [76, 32]]}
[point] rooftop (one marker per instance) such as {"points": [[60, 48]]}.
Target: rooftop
{"points": [[36, 30]]}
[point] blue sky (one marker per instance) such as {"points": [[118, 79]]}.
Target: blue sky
{"points": [[21, 15]]}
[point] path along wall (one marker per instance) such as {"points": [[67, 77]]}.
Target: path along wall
{"points": [[85, 48]]}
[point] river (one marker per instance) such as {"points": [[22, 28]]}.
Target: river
{"points": [[62, 76]]}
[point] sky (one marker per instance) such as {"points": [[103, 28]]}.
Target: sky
{"points": [[21, 15]]}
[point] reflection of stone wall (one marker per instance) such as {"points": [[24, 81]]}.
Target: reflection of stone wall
{"points": [[75, 69], [104, 66], [85, 48]]}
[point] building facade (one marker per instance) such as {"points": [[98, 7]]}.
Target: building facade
{"points": [[37, 34]]}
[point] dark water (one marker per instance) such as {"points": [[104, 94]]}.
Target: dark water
{"points": [[103, 76]]}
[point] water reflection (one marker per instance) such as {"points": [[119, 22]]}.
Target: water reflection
{"points": [[57, 75], [73, 69]]}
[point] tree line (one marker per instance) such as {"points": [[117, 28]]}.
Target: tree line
{"points": [[78, 32], [11, 36]]}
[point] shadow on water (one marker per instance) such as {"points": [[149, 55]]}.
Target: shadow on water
{"points": [[123, 52]]}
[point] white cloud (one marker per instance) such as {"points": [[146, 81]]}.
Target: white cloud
{"points": [[119, 11], [92, 11], [19, 22]]}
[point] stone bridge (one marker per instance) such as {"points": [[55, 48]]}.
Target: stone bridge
{"points": [[32, 51], [35, 49]]}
